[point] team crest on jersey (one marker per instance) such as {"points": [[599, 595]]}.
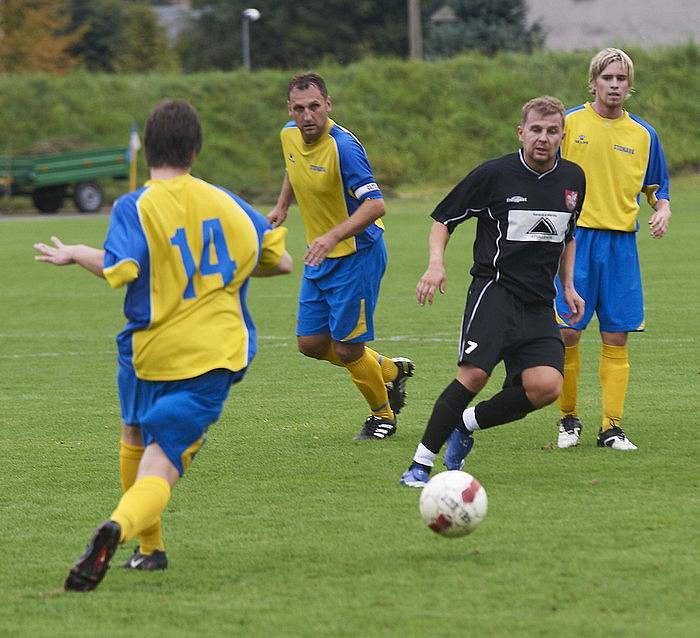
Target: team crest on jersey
{"points": [[571, 199]]}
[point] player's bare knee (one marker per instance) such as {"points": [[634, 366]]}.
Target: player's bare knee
{"points": [[570, 337], [348, 352], [472, 377], [310, 351], [131, 435], [312, 347], [543, 392]]}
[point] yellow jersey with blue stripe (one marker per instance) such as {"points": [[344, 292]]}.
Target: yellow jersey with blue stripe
{"points": [[185, 249], [621, 158], [330, 179]]}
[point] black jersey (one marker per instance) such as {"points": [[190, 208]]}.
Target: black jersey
{"points": [[524, 219]]}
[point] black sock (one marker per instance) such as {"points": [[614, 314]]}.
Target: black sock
{"points": [[447, 415], [510, 404]]}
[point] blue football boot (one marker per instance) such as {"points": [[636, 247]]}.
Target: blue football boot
{"points": [[458, 446], [417, 475]]}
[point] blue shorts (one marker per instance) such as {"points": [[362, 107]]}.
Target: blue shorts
{"points": [[339, 296], [608, 277], [174, 414]]}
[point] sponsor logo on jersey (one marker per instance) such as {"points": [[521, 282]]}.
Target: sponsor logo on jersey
{"points": [[318, 169], [537, 225], [571, 199], [291, 158], [542, 227], [624, 149], [581, 139], [516, 199]]}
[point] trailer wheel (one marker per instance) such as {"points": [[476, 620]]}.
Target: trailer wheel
{"points": [[49, 199], [88, 197]]}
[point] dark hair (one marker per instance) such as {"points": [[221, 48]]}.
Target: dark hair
{"points": [[305, 80], [173, 135]]}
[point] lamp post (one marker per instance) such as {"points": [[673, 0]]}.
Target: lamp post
{"points": [[415, 30], [249, 15]]}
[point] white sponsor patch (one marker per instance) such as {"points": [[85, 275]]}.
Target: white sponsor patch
{"points": [[367, 188], [537, 225]]}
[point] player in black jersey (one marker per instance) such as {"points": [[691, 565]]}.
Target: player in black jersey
{"points": [[526, 205]]}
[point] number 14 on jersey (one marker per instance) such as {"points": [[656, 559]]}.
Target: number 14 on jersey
{"points": [[212, 233]]}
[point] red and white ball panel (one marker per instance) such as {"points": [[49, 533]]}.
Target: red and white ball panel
{"points": [[453, 503]]}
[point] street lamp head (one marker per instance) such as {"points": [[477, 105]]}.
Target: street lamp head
{"points": [[251, 14]]}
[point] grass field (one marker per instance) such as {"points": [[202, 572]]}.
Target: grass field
{"points": [[285, 526]]}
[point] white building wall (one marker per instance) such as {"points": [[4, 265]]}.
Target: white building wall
{"points": [[588, 24]]}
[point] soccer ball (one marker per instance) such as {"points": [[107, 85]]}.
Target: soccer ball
{"points": [[453, 503]]}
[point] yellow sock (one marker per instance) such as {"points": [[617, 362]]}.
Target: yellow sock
{"points": [[141, 506], [569, 391], [366, 374], [333, 357], [129, 459], [614, 372], [151, 539], [389, 369]]}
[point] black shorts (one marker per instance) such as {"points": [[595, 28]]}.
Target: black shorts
{"points": [[497, 326]]}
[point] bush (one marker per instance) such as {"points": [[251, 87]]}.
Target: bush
{"points": [[421, 122]]}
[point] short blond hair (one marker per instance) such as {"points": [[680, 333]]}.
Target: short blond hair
{"points": [[601, 59], [544, 105]]}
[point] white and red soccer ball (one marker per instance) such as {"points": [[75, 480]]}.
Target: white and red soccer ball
{"points": [[453, 503]]}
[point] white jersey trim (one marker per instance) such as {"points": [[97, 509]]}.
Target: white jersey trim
{"points": [[539, 175], [464, 214]]}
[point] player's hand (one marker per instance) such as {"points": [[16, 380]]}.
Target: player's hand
{"points": [[658, 222], [433, 279], [320, 249], [277, 216], [576, 304], [58, 254]]}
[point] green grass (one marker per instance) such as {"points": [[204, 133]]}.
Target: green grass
{"points": [[286, 527]]}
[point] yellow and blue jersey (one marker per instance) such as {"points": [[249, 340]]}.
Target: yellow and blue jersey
{"points": [[621, 158], [330, 179], [185, 249]]}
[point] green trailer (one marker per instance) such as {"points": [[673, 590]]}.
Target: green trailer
{"points": [[49, 179]]}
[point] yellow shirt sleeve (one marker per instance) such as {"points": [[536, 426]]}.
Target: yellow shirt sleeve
{"points": [[273, 247], [121, 273]]}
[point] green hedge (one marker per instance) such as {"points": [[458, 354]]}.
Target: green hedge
{"points": [[421, 122]]}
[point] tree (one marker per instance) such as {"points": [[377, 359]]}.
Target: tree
{"points": [[294, 34], [146, 45], [34, 37], [103, 25], [486, 25], [120, 36]]}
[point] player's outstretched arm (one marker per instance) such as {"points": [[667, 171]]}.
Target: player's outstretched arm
{"points": [[658, 222], [434, 277], [279, 213], [61, 254]]}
